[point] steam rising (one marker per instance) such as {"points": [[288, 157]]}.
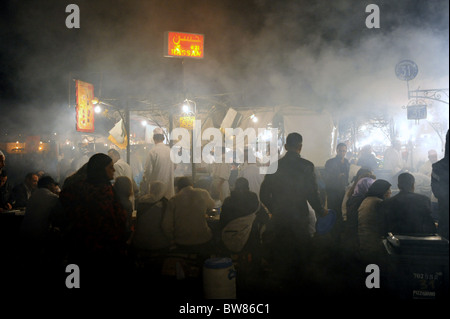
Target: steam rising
{"points": [[317, 54]]}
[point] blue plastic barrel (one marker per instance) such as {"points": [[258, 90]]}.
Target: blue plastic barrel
{"points": [[219, 278]]}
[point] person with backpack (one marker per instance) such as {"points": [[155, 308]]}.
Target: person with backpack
{"points": [[242, 225], [242, 219]]}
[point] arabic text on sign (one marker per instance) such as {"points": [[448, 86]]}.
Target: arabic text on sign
{"points": [[184, 45]]}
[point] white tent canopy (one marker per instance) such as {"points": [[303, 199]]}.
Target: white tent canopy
{"points": [[316, 128]]}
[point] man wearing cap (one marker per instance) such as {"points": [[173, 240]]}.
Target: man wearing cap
{"points": [[159, 166]]}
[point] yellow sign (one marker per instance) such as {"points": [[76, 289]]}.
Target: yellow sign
{"points": [[84, 108], [187, 122]]}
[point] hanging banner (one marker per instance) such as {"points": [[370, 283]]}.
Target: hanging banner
{"points": [[118, 135], [184, 45], [84, 106]]}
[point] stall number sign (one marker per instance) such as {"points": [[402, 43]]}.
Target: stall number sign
{"points": [[184, 45], [417, 112], [425, 284]]}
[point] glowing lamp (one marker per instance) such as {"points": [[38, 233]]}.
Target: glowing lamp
{"points": [[97, 109]]}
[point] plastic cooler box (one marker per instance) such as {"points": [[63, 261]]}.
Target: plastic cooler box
{"points": [[417, 266]]}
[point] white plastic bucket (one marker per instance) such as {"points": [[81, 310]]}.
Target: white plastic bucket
{"points": [[219, 279]]}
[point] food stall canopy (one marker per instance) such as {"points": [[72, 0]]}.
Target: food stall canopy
{"points": [[317, 129]]}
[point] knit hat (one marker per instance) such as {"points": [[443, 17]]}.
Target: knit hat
{"points": [[378, 188]]}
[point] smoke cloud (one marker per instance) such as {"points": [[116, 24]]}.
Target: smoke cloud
{"points": [[318, 55]]}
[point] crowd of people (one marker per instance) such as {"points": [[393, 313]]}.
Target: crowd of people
{"points": [[103, 221]]}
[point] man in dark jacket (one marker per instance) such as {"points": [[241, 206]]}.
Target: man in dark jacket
{"points": [[286, 194], [5, 191], [336, 179], [439, 186], [408, 212], [22, 192]]}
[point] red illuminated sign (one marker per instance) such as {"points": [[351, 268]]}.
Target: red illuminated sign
{"points": [[184, 45]]}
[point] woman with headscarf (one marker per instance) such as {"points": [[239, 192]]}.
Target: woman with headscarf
{"points": [[370, 222], [96, 221], [353, 203], [361, 173]]}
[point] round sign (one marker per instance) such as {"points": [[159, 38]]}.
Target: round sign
{"points": [[406, 70]]}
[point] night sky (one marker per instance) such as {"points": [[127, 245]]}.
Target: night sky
{"points": [[315, 54]]}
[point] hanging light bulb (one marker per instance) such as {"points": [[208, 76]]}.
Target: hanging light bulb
{"points": [[97, 109], [185, 107]]}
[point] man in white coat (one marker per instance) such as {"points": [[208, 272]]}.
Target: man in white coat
{"points": [[122, 168], [250, 171], [159, 166], [393, 158], [220, 174]]}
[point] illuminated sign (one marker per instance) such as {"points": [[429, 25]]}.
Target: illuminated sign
{"points": [[187, 122], [184, 45], [15, 148], [85, 108]]}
